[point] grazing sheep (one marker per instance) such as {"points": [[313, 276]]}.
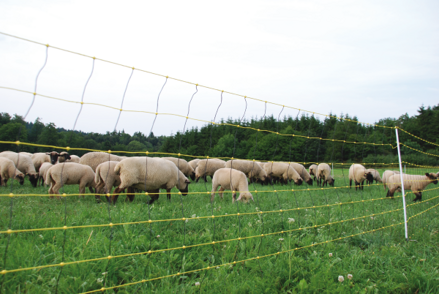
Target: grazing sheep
{"points": [[106, 179], [9, 171], [252, 169], [303, 173], [149, 174], [359, 174], [415, 183], [194, 163], [323, 173], [207, 167], [375, 176], [72, 174], [231, 179], [282, 171], [313, 170], [23, 164], [387, 174], [42, 172], [183, 166], [39, 158], [93, 159]]}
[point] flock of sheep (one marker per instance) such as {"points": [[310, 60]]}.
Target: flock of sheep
{"points": [[100, 172]]}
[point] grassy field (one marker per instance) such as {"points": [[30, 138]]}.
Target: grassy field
{"points": [[368, 247]]}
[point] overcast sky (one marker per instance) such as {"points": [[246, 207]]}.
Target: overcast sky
{"points": [[372, 59]]}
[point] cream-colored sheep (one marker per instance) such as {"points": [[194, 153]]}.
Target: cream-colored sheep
{"points": [[64, 157], [151, 175], [207, 167], [375, 176], [252, 169], [9, 171], [39, 158], [93, 159], [231, 179], [282, 171], [323, 173], [183, 166], [43, 171], [194, 163], [313, 170], [303, 173], [74, 158], [70, 174], [24, 164], [106, 179], [415, 183], [27, 153], [359, 174], [386, 175]]}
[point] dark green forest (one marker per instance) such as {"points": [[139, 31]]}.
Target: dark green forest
{"points": [[224, 140]]}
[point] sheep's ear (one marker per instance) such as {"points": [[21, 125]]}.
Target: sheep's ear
{"points": [[427, 174]]}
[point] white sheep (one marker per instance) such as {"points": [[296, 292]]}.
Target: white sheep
{"points": [[93, 159], [386, 175], [43, 171], [106, 179], [70, 174], [9, 171], [207, 167], [26, 153], [194, 163], [183, 166], [24, 164], [323, 173], [149, 174], [231, 179], [375, 176], [303, 173], [39, 158], [251, 168], [415, 183], [359, 174], [282, 171], [313, 170]]}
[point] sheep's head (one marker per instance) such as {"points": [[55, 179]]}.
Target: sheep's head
{"points": [[298, 181], [33, 178], [20, 178], [63, 156], [192, 175], [309, 182], [245, 197], [331, 181], [433, 177], [53, 156], [263, 175], [183, 187], [368, 176]]}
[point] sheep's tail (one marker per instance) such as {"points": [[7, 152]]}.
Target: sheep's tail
{"points": [[49, 179], [98, 177], [117, 169]]}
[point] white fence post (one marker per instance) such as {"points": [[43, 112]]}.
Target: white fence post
{"points": [[402, 185]]}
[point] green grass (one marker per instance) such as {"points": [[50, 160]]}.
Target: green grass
{"points": [[380, 261]]}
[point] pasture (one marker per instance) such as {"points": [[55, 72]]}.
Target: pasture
{"points": [[363, 232]]}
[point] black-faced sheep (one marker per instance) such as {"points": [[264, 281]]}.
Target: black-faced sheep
{"points": [[282, 171], [375, 176], [93, 159], [324, 174], [231, 179], [313, 170], [70, 174], [207, 167], [9, 171], [303, 173], [151, 175], [24, 164], [415, 183], [252, 169], [359, 174], [183, 166]]}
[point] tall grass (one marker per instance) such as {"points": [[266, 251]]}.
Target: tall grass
{"points": [[380, 260]]}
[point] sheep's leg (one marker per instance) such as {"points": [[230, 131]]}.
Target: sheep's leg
{"points": [[168, 194], [350, 184], [220, 192], [212, 193], [130, 194], [418, 196], [55, 189], [81, 190], [116, 194], [154, 196]]}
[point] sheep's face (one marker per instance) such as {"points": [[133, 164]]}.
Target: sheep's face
{"points": [[298, 182], [192, 176], [331, 182], [33, 178], [53, 156], [309, 182], [20, 178], [245, 197], [185, 187], [432, 177], [368, 176], [63, 156]]}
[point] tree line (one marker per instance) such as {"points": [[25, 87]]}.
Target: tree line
{"points": [[224, 140]]}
